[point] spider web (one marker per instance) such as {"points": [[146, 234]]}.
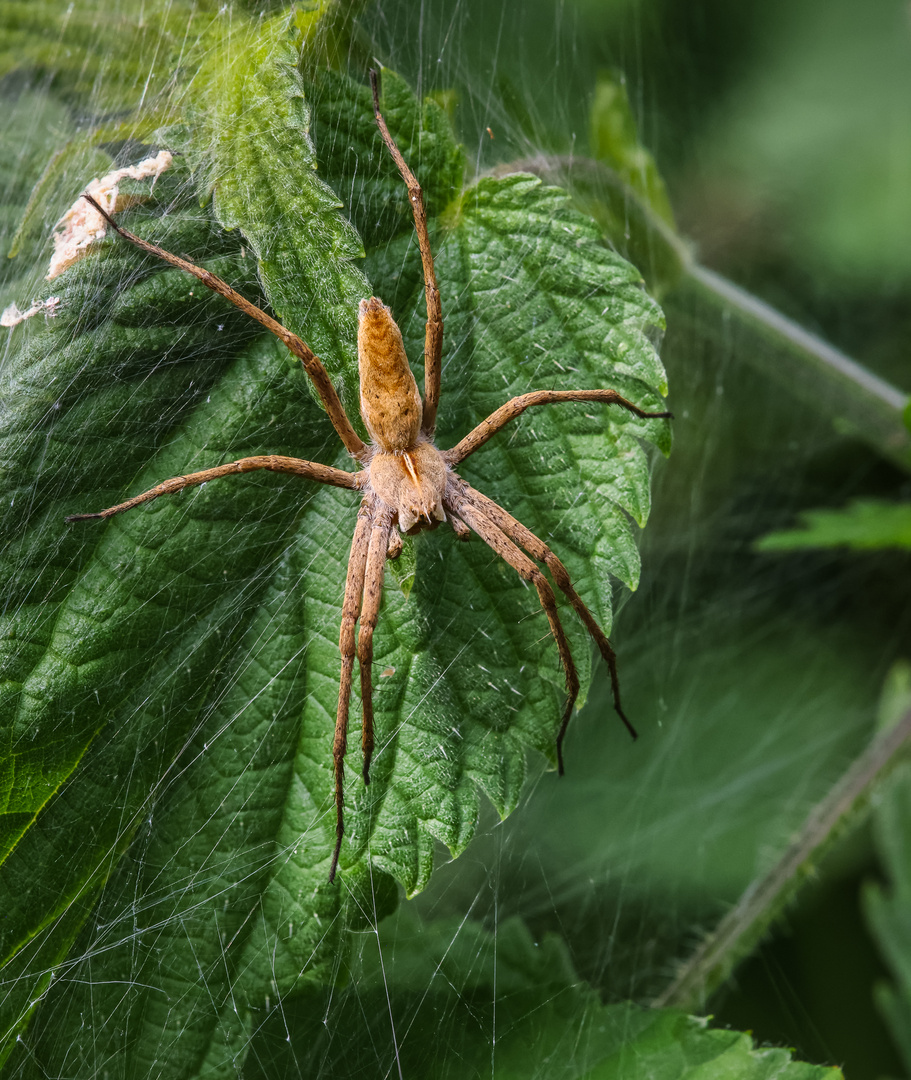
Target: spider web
{"points": [[603, 875]]}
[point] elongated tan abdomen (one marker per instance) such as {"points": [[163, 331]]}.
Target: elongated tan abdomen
{"points": [[390, 402]]}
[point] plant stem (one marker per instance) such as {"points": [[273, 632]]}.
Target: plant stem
{"points": [[742, 928], [859, 402]]}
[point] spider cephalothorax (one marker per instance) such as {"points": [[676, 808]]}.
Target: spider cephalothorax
{"points": [[407, 484], [406, 471]]}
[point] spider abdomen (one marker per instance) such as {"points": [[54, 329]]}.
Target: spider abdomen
{"points": [[390, 402]]}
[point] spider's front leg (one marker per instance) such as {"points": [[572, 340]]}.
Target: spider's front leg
{"points": [[513, 408], [363, 593]]}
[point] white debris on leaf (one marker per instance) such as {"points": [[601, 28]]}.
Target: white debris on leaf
{"points": [[12, 316], [82, 225]]}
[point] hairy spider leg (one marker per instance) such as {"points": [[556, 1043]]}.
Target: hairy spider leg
{"points": [[312, 364], [433, 331], [373, 593], [538, 550], [457, 489], [495, 538], [310, 470], [351, 609], [513, 408]]}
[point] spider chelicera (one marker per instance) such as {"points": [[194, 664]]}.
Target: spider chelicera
{"points": [[403, 478]]}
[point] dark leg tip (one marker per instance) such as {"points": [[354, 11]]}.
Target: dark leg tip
{"points": [[629, 727], [333, 869], [644, 414]]}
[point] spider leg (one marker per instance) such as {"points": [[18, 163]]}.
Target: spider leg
{"points": [[494, 537], [310, 470], [538, 550], [312, 364], [373, 593], [475, 439], [460, 529], [433, 333], [351, 609]]}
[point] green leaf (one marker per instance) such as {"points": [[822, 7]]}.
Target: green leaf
{"points": [[171, 675], [614, 140], [619, 185], [863, 525], [404, 569], [258, 162], [511, 1005]]}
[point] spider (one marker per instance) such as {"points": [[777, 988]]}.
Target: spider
{"points": [[403, 478]]}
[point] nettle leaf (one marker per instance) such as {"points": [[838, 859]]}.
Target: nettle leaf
{"points": [[251, 140], [171, 676], [451, 983]]}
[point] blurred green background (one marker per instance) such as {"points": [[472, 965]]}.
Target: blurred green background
{"points": [[783, 133]]}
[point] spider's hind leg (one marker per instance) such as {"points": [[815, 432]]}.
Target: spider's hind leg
{"points": [[351, 609], [536, 547], [495, 537], [433, 333], [377, 554], [313, 366]]}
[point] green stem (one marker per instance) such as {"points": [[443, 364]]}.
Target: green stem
{"points": [[742, 928], [859, 402]]}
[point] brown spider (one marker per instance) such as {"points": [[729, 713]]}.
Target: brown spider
{"points": [[404, 479]]}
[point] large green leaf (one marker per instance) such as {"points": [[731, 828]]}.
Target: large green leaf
{"points": [[171, 675], [451, 998]]}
